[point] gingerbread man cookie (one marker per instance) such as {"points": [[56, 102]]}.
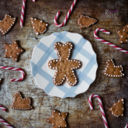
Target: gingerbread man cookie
{"points": [[118, 108], [13, 51], [64, 66], [6, 24], [123, 34], [39, 26], [113, 71], [21, 103], [58, 119]]}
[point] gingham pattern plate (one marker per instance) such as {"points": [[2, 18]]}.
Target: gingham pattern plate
{"points": [[43, 75]]}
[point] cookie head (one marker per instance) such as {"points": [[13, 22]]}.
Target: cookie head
{"points": [[58, 119], [64, 66], [63, 50]]}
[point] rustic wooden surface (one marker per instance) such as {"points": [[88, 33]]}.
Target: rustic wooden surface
{"points": [[110, 89]]}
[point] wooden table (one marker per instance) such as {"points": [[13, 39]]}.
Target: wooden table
{"points": [[110, 89]]}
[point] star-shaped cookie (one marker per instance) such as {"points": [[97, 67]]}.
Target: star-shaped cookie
{"points": [[118, 108], [86, 21], [58, 119], [123, 34], [13, 51], [64, 66], [20, 103], [6, 24], [39, 26], [113, 71]]}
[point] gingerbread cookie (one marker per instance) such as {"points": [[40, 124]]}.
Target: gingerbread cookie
{"points": [[86, 21], [123, 34], [39, 26], [21, 103], [113, 71], [64, 66], [6, 24], [58, 119], [118, 108], [13, 51]]}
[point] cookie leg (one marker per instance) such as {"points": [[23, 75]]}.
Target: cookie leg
{"points": [[71, 78], [59, 78]]}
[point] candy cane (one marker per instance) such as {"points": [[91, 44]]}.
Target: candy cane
{"points": [[23, 12], [106, 42], [15, 69], [126, 126], [5, 123], [101, 108], [67, 15], [3, 108]]}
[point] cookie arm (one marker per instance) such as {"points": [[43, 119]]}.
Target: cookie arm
{"points": [[75, 64], [53, 64]]}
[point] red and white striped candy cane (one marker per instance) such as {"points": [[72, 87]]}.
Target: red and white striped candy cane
{"points": [[106, 42], [126, 126], [3, 108], [23, 12], [15, 69], [66, 17], [101, 108], [5, 123]]}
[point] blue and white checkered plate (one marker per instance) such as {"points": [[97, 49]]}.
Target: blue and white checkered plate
{"points": [[44, 52]]}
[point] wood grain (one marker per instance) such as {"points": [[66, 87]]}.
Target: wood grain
{"points": [[110, 89]]}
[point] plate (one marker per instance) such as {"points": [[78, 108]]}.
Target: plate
{"points": [[43, 75]]}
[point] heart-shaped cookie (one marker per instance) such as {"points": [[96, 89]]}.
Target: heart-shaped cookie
{"points": [[113, 71], [21, 103], [6, 24]]}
